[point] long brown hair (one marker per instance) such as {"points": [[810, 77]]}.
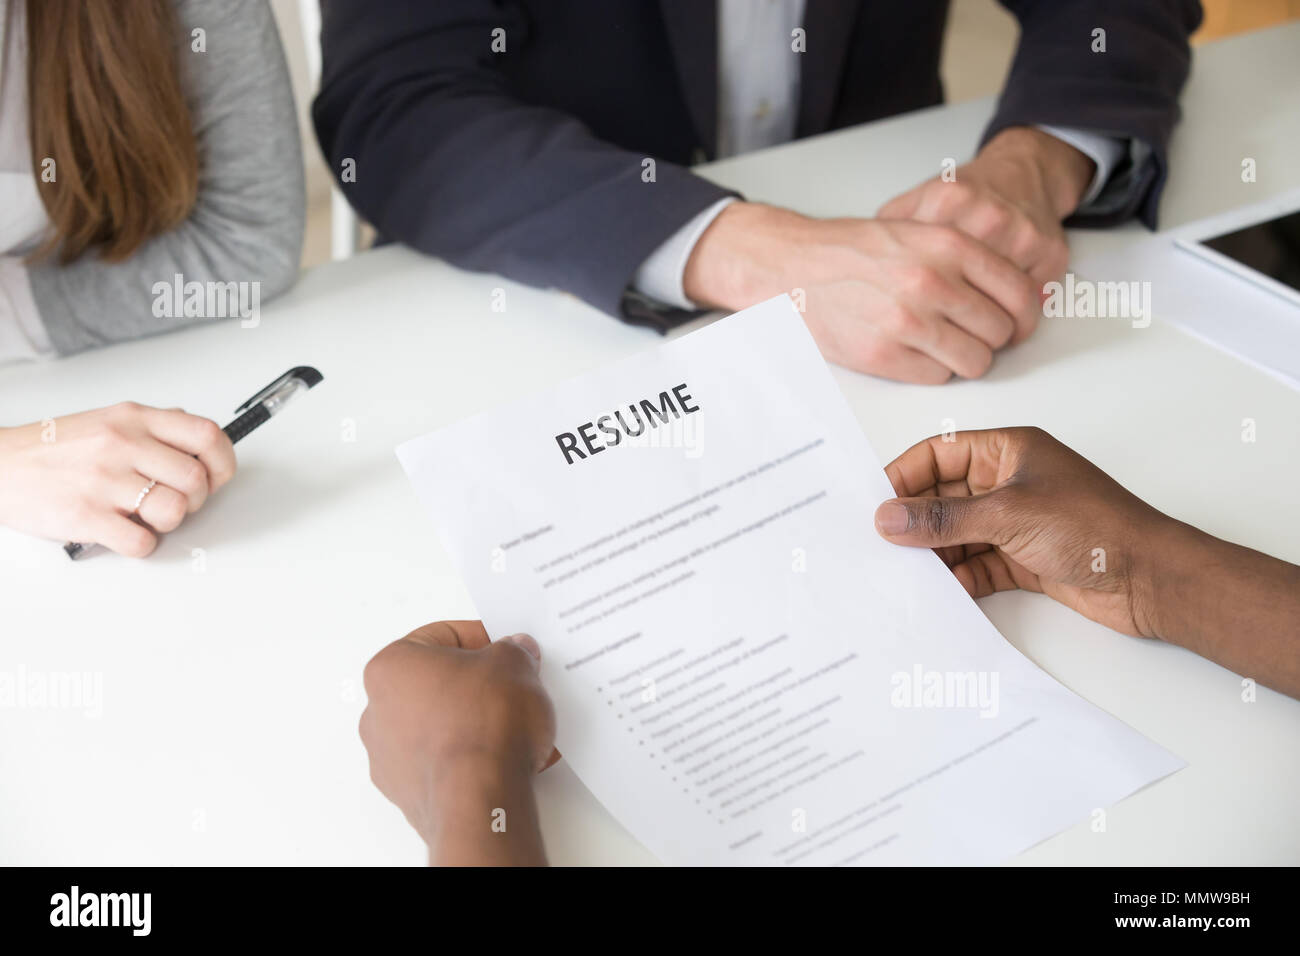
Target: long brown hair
{"points": [[105, 102]]}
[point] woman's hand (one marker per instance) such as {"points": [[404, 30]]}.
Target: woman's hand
{"points": [[79, 478]]}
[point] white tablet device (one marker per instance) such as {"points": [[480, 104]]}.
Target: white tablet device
{"points": [[1262, 246]]}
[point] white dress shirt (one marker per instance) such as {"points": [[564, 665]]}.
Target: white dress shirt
{"points": [[758, 97]]}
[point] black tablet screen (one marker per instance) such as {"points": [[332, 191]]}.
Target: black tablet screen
{"points": [[1271, 247]]}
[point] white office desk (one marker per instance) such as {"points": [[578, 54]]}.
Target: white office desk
{"points": [[231, 679]]}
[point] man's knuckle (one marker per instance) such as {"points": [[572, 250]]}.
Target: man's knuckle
{"points": [[935, 517], [994, 217], [927, 282], [949, 241], [902, 322], [978, 362], [870, 355], [1032, 434]]}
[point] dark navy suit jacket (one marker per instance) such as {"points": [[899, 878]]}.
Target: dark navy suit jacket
{"points": [[528, 162]]}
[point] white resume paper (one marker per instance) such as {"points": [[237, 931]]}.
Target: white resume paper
{"points": [[744, 673]]}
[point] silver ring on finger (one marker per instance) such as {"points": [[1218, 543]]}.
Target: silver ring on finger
{"points": [[139, 499]]}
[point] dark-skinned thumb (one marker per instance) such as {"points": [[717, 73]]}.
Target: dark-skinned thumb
{"points": [[938, 522]]}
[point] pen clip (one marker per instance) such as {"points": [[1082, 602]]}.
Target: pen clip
{"points": [[304, 373]]}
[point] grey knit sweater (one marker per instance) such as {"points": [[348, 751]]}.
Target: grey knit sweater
{"points": [[247, 225]]}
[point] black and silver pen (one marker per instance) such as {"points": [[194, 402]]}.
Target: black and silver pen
{"points": [[251, 416]]}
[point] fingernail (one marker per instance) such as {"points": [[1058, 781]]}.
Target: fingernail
{"points": [[891, 518], [527, 643]]}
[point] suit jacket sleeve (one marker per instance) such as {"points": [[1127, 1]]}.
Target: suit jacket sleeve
{"points": [[450, 162], [1130, 91]]}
